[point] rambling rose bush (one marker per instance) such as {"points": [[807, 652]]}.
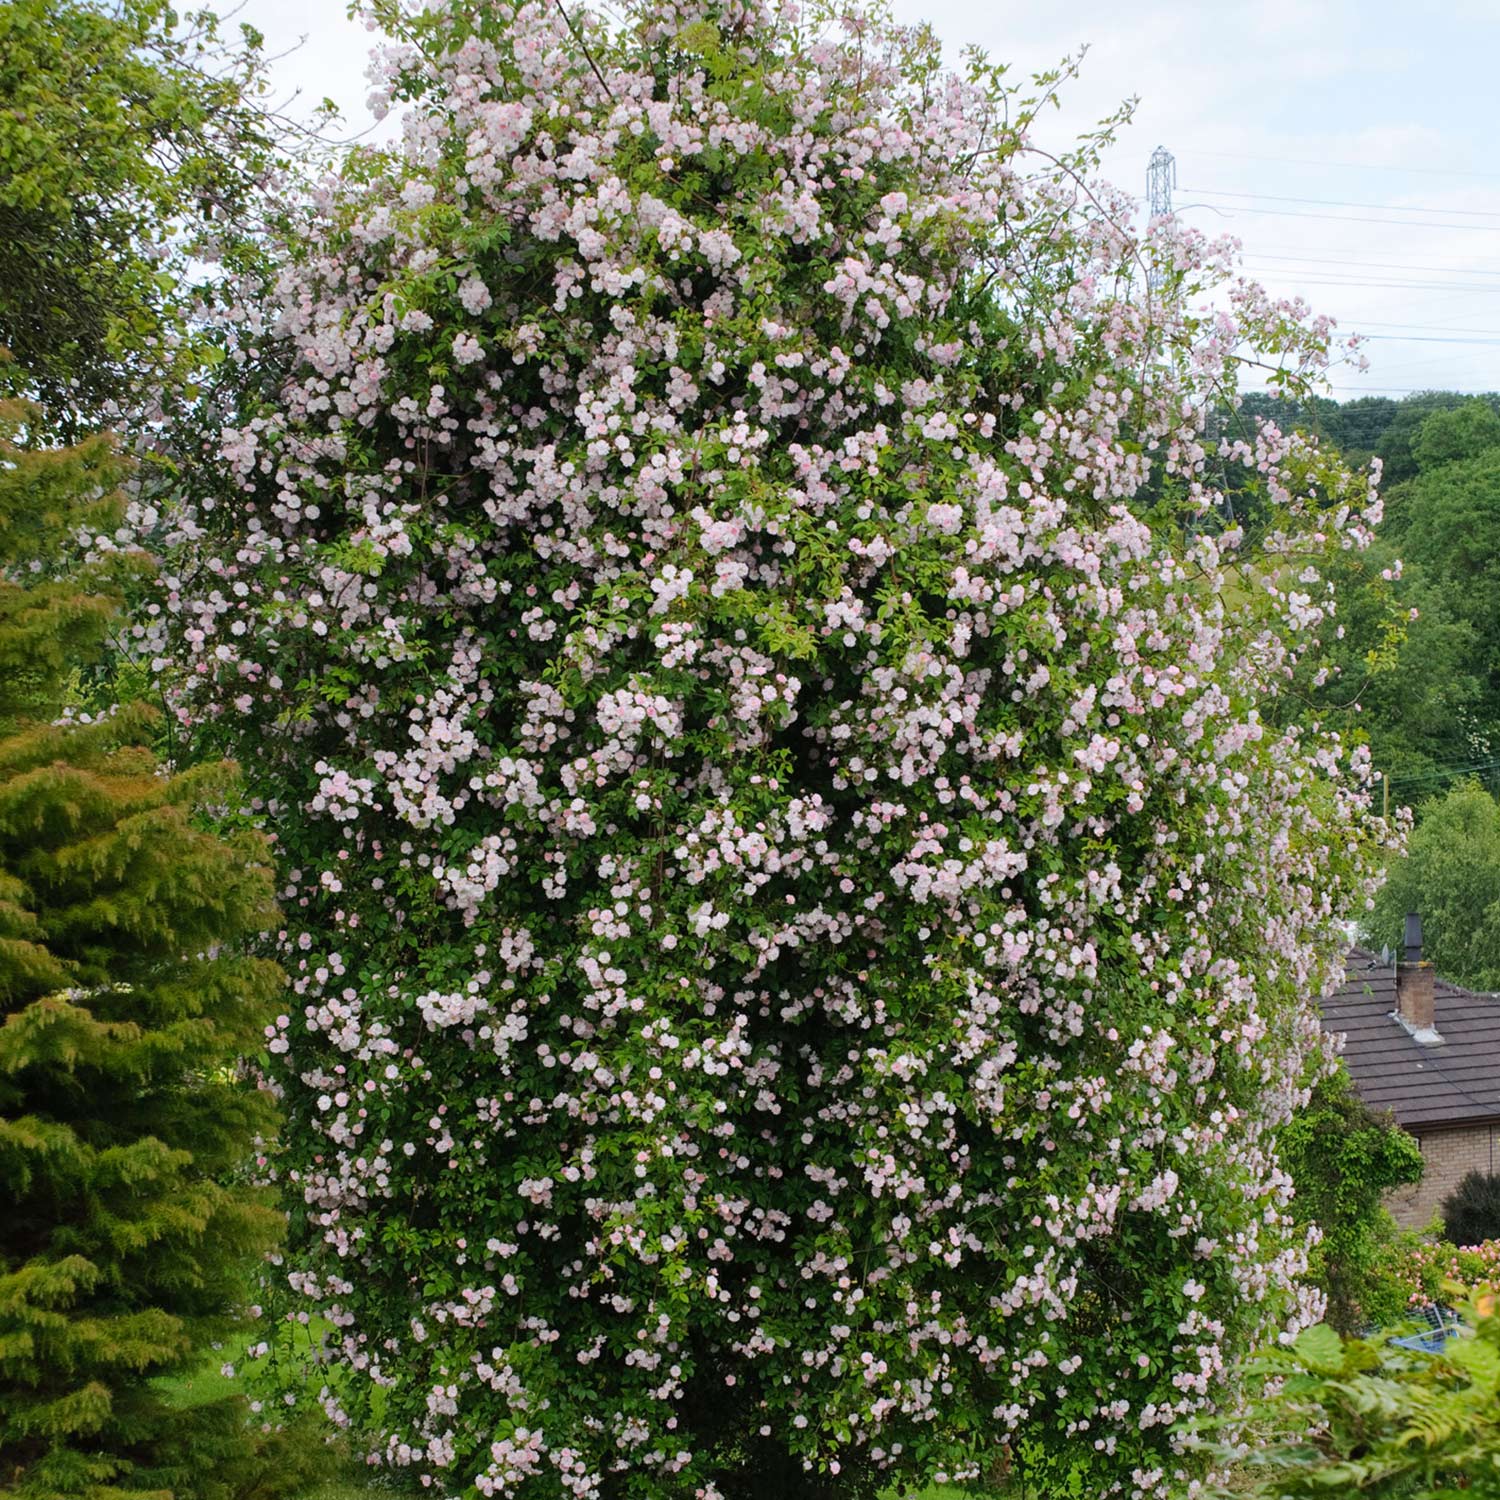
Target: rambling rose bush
{"points": [[802, 936], [1423, 1268]]}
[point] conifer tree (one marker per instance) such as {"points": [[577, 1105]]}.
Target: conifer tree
{"points": [[125, 1241], [135, 153]]}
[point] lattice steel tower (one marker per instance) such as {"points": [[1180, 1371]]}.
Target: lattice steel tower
{"points": [[1161, 178]]}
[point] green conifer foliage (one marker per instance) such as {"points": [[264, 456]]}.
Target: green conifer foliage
{"points": [[124, 1004]]}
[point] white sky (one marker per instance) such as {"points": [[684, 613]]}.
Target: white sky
{"points": [[1347, 143]]}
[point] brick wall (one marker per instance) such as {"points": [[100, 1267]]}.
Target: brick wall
{"points": [[1448, 1156]]}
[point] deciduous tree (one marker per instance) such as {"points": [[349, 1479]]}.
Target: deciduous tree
{"points": [[134, 149], [1451, 876]]}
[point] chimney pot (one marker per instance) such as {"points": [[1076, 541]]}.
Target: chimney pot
{"points": [[1413, 938], [1416, 1001]]}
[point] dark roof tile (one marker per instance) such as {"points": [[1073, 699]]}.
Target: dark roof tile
{"points": [[1453, 1084]]}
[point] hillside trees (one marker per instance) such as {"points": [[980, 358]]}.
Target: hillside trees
{"points": [[1428, 688], [1417, 671], [1451, 517], [1451, 875], [1411, 651], [1396, 446], [801, 933], [1366, 427], [1396, 670]]}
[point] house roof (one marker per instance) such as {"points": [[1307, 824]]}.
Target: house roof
{"points": [[1452, 1084]]}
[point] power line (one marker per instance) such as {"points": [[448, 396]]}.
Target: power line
{"points": [[1387, 265], [1354, 392], [1424, 327], [1400, 208], [1461, 763], [1446, 773], [1417, 338], [1405, 274], [1449, 362], [1324, 279], [1297, 213], [1348, 166], [1464, 256]]}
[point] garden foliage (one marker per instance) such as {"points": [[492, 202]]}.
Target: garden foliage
{"points": [[1423, 1266], [801, 937], [1364, 1417], [1344, 1157], [133, 150]]}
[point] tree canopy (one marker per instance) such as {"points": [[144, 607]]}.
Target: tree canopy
{"points": [[131, 141], [125, 1245], [1451, 876], [1409, 653]]}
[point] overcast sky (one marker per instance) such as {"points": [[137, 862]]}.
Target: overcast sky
{"points": [[1350, 144]]}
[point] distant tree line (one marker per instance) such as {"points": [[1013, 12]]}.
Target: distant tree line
{"points": [[1412, 653]]}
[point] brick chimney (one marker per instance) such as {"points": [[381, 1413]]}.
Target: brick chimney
{"points": [[1415, 1000]]}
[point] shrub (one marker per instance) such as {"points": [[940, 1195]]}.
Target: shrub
{"points": [[801, 934], [1422, 1266], [1361, 1416], [1471, 1212], [1343, 1157]]}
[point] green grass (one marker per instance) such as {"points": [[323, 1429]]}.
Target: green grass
{"points": [[197, 1387]]}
